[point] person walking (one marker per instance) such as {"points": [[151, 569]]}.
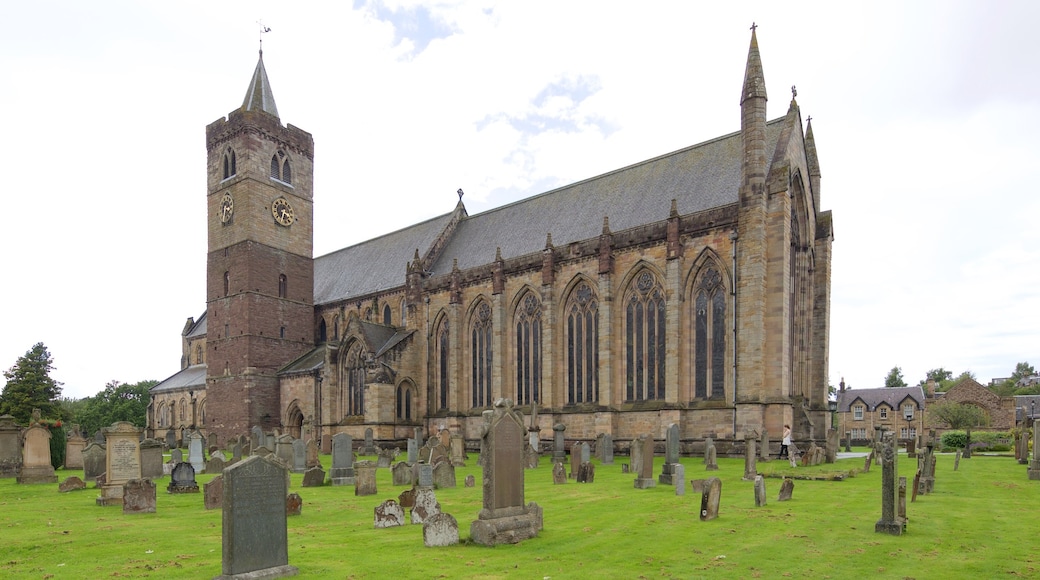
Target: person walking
{"points": [[785, 442]]}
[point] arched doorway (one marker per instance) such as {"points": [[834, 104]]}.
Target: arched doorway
{"points": [[294, 421]]}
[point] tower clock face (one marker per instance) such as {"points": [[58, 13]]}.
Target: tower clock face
{"points": [[227, 208], [282, 212]]}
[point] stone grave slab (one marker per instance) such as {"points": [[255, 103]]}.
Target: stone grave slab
{"points": [[139, 496], [213, 493], [389, 514], [440, 530]]}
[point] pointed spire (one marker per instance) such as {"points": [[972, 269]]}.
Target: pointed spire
{"points": [[259, 96], [754, 78], [813, 162]]}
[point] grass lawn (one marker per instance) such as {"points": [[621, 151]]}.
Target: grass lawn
{"points": [[978, 523]]}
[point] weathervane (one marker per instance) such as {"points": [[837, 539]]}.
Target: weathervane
{"points": [[794, 92], [460, 194], [263, 29]]}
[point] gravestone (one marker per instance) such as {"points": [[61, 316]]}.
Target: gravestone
{"points": [[176, 456], [559, 474], [443, 475], [71, 483], [314, 477], [624, 468], [342, 472], [605, 448], [559, 452], [93, 461], [401, 474], [171, 439], [215, 465], [370, 447], [901, 506], [888, 524], [763, 446], [911, 449], [211, 440], [407, 498], [283, 449], [293, 503], [1034, 466], [458, 451], [832, 446], [122, 461], [698, 485], [182, 479], [586, 473], [139, 496], [760, 491], [213, 493], [36, 456], [786, 490], [151, 459], [750, 467], [365, 478], [575, 460], [388, 514], [424, 505], [530, 457], [710, 458], [470, 481], [10, 446], [195, 455], [255, 539], [384, 457], [413, 451], [671, 456], [711, 498], [445, 437], [418, 436], [256, 437], [425, 475], [299, 455], [680, 479], [74, 451], [505, 518], [1022, 448], [440, 530], [99, 436], [645, 467], [532, 438], [236, 452], [635, 455]]}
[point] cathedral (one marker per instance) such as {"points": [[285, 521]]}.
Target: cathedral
{"points": [[692, 288]]}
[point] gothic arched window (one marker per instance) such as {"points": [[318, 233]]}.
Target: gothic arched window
{"points": [[280, 168], [227, 283], [709, 336], [482, 351], [323, 332], [229, 163], [528, 350], [404, 402], [582, 346], [354, 369], [198, 354], [443, 365], [387, 318], [283, 286], [645, 339]]}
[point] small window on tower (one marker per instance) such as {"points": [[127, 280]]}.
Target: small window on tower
{"points": [[276, 168], [286, 172], [283, 286], [281, 332], [227, 282], [280, 168], [229, 163]]}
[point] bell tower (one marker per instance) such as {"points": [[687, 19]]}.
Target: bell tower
{"points": [[259, 265]]}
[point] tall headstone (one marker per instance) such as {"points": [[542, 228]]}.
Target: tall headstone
{"points": [[342, 472], [559, 452], [36, 456], [1034, 465], [750, 467], [901, 511], [575, 460], [710, 457], [122, 461], [93, 461], [760, 491], [365, 478], [888, 524], [213, 493], [283, 449], [458, 450], [418, 437], [505, 517], [74, 449], [711, 497], [171, 439], [413, 451], [139, 496], [10, 447], [195, 454], [763, 446], [255, 539], [559, 474], [299, 456], [443, 475], [151, 459], [671, 456], [256, 437], [370, 447], [645, 467], [605, 448], [401, 474], [586, 473], [680, 479], [832, 445]]}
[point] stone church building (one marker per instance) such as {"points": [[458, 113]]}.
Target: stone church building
{"points": [[692, 288]]}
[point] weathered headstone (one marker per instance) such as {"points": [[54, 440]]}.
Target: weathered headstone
{"points": [[444, 475], [605, 448], [911, 448], [36, 456], [424, 505], [786, 490], [369, 447], [74, 450], [750, 467], [957, 460], [385, 457], [763, 446], [171, 439], [458, 450], [407, 498], [698, 485], [255, 539], [418, 437], [901, 512], [833, 439], [575, 460], [139, 496], [93, 461], [388, 514], [213, 493], [440, 530], [71, 483], [710, 459], [342, 472], [530, 457], [283, 449], [671, 456], [195, 456], [215, 465], [299, 455], [586, 473], [313, 460], [211, 440], [1034, 466], [711, 498], [122, 461], [559, 452], [293, 504], [888, 524], [314, 477], [182, 479], [505, 518], [680, 479], [760, 491], [559, 474], [401, 474], [470, 481], [176, 456], [413, 451], [645, 467], [365, 478], [151, 459], [256, 437], [10, 447], [425, 478]]}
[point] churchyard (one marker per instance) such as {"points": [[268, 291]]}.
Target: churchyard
{"points": [[976, 523]]}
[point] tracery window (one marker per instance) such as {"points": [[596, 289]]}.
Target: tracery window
{"points": [[582, 346], [645, 339], [404, 402], [482, 352], [280, 168], [354, 369], [443, 361], [528, 350], [709, 336], [230, 168]]}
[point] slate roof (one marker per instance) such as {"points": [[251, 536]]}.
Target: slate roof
{"points": [[199, 328], [259, 96], [311, 361], [191, 377], [872, 398], [1022, 405], [700, 177]]}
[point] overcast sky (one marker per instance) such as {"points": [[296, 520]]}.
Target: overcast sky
{"points": [[925, 116]]}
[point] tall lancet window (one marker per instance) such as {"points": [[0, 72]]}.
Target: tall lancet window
{"points": [[354, 371], [709, 335], [528, 350], [443, 364], [482, 352], [645, 339], [230, 168], [582, 346]]}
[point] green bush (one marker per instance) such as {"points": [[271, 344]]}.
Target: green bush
{"points": [[980, 441], [953, 440], [58, 439]]}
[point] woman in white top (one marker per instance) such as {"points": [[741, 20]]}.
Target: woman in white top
{"points": [[786, 441]]}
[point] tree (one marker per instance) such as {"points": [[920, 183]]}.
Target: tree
{"points": [[118, 402], [29, 386], [1011, 385], [938, 375], [958, 415], [895, 378]]}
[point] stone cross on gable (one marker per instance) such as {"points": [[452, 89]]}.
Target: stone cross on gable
{"points": [[753, 26]]}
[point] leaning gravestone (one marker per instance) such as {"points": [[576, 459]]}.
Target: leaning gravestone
{"points": [[505, 518], [440, 530], [786, 490], [645, 467], [255, 540], [342, 460], [71, 483], [389, 514], [122, 461], [10, 447], [93, 461], [314, 477], [671, 456], [710, 498], [36, 456], [139, 496], [213, 493]]}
